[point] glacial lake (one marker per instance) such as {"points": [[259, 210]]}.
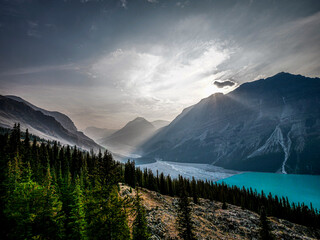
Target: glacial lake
{"points": [[298, 188]]}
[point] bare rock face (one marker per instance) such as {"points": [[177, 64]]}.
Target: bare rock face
{"points": [[269, 125], [211, 221]]}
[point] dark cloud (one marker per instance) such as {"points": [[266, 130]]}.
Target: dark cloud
{"points": [[222, 84], [129, 53]]}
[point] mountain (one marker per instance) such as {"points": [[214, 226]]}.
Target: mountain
{"points": [[270, 125], [65, 121], [98, 133], [16, 110], [133, 134], [160, 123]]}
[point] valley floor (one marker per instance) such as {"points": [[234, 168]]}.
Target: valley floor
{"points": [[211, 221]]}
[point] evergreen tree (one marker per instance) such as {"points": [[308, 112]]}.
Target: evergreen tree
{"points": [[194, 190], [140, 226], [184, 220], [26, 141], [77, 222], [224, 205], [130, 174], [108, 218], [105, 210], [163, 186], [49, 221], [264, 226], [65, 189]]}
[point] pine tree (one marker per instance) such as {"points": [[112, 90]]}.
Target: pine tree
{"points": [[108, 220], [26, 141], [130, 173], [264, 226], [184, 220], [106, 214], [163, 186], [77, 222], [194, 190], [49, 221], [140, 226], [224, 205]]}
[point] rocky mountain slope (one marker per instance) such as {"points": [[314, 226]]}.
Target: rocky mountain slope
{"points": [[270, 125], [41, 124], [63, 119], [211, 221], [160, 123]]}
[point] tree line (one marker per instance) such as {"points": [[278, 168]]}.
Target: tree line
{"points": [[246, 198]]}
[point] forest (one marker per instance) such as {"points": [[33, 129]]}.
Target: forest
{"points": [[50, 191]]}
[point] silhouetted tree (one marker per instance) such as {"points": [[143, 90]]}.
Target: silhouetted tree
{"points": [[184, 220], [264, 226]]}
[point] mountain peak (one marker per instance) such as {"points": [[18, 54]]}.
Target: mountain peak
{"points": [[283, 73], [132, 134], [212, 97], [139, 119]]}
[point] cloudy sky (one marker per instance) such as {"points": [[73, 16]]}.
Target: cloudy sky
{"points": [[104, 63]]}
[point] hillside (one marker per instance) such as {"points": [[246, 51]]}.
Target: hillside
{"points": [[211, 221], [41, 124], [63, 119], [160, 123]]}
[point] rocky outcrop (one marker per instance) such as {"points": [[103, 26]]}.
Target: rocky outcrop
{"points": [[211, 221]]}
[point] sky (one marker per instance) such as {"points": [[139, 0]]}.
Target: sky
{"points": [[103, 63]]}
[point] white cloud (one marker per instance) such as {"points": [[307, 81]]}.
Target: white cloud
{"points": [[165, 80]]}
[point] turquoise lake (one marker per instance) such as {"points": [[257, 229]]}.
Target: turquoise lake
{"points": [[298, 188]]}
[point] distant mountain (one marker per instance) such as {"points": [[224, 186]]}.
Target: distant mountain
{"points": [[270, 125], [160, 123], [16, 110], [133, 134], [98, 133]]}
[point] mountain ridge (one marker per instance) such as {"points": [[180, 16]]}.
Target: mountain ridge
{"points": [[226, 130], [38, 123], [66, 122]]}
